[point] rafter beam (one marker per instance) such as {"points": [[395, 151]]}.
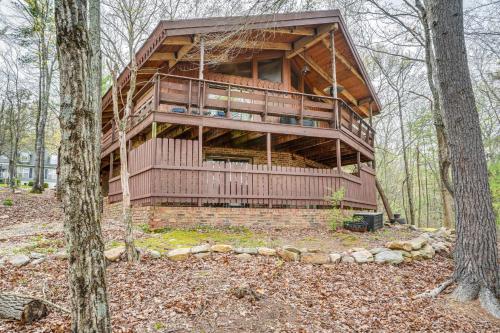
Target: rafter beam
{"points": [[345, 62], [261, 45], [182, 52], [292, 31], [328, 78], [162, 56], [178, 40], [306, 42], [247, 137]]}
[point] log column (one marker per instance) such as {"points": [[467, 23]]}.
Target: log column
{"points": [[334, 82], [201, 86], [358, 160], [200, 162], [269, 168], [339, 159]]}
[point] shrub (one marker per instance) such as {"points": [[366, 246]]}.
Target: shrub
{"points": [[8, 202], [45, 185], [336, 217], [30, 183]]}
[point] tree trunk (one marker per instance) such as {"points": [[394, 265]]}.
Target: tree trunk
{"points": [[476, 254], [409, 183], [20, 308], [79, 167], [385, 201]]}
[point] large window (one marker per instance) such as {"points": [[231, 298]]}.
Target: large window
{"points": [[270, 70], [240, 69]]}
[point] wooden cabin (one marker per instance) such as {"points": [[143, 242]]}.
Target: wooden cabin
{"points": [[271, 111]]}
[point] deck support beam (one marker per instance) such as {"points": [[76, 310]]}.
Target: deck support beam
{"points": [[111, 161], [154, 127], [358, 161], [269, 165], [334, 81], [200, 160], [339, 159]]}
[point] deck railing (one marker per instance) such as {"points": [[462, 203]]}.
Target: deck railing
{"points": [[192, 96], [169, 171]]}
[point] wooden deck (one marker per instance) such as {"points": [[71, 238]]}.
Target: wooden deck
{"points": [[171, 171], [191, 101]]}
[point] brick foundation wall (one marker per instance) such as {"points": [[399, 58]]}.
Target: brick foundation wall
{"points": [[180, 217]]}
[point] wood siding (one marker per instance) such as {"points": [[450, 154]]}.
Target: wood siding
{"points": [[170, 171]]}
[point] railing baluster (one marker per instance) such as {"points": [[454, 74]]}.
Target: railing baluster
{"points": [[301, 110], [350, 119], [266, 104], [190, 92], [228, 112]]}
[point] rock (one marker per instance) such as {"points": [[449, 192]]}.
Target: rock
{"points": [[335, 257], [244, 256], [19, 260], [38, 261], [179, 254], [440, 247], [417, 255], [200, 248], [247, 250], [292, 249], [399, 245], [3, 217], [389, 257], [362, 256], [357, 249], [405, 254], [428, 252], [221, 248], [153, 254], [417, 243], [36, 255], [202, 255], [315, 258], [265, 251], [288, 255], [347, 259], [378, 250], [114, 254], [61, 255]]}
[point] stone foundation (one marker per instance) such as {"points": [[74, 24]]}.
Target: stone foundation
{"points": [[159, 217]]}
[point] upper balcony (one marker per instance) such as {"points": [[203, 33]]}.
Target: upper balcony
{"points": [[226, 103]]}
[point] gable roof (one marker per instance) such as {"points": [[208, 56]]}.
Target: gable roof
{"points": [[171, 36]]}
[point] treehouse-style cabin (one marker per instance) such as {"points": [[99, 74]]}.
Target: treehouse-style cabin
{"points": [[255, 112]]}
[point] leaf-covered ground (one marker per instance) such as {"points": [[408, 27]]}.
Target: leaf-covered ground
{"points": [[205, 295], [199, 296]]}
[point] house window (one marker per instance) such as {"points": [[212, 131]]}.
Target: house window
{"points": [[243, 69], [50, 174], [24, 173], [24, 157], [53, 159], [270, 70]]}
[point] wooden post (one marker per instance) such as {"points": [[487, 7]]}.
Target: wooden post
{"points": [[269, 167], [157, 93], [358, 160], [111, 161], [334, 81], [301, 110], [228, 111], [190, 93], [153, 129], [371, 113], [200, 162], [265, 105], [201, 85], [339, 159]]}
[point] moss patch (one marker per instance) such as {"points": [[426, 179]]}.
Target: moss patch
{"points": [[41, 244], [175, 238]]}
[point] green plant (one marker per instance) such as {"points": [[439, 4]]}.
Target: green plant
{"points": [[45, 185], [8, 202], [336, 217], [30, 183]]}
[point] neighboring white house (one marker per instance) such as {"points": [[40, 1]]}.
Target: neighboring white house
{"points": [[26, 166]]}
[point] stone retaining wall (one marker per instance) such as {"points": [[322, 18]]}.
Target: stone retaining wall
{"points": [[159, 217]]}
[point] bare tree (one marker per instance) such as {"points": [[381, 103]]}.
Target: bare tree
{"points": [[80, 161], [476, 255]]}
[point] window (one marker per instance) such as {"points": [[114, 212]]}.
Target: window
{"points": [[53, 159], [240, 69], [24, 173], [50, 174], [24, 157], [270, 70]]}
